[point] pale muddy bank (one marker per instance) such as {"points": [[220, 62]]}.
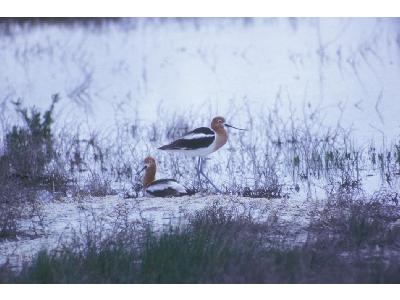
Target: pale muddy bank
{"points": [[63, 218]]}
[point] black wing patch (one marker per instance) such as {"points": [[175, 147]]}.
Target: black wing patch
{"points": [[203, 130], [199, 138]]}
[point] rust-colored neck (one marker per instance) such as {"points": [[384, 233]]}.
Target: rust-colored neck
{"points": [[221, 137], [149, 175]]}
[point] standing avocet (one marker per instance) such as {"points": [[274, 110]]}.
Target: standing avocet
{"points": [[160, 187], [202, 142]]}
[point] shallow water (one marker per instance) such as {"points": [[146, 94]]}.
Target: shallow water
{"points": [[124, 70]]}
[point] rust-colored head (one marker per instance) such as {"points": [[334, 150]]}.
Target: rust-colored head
{"points": [[149, 161], [217, 124], [150, 173]]}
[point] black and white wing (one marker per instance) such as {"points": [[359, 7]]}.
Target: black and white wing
{"points": [[199, 138], [166, 188]]}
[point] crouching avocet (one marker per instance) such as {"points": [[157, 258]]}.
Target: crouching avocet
{"points": [[160, 187], [202, 142]]}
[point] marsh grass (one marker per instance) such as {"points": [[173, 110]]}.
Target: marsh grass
{"points": [[219, 245], [17, 204], [359, 223], [269, 164], [287, 155]]}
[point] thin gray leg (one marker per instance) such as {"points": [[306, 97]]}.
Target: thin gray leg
{"points": [[205, 176], [199, 172]]}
